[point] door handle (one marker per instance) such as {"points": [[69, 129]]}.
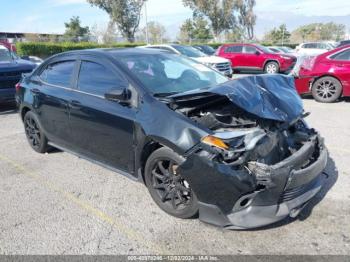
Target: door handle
{"points": [[75, 104]]}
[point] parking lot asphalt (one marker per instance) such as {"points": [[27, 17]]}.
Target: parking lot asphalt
{"points": [[57, 203]]}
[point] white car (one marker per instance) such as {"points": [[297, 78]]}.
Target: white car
{"points": [[220, 64], [314, 48]]}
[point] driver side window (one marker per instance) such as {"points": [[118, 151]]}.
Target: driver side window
{"points": [[96, 79]]}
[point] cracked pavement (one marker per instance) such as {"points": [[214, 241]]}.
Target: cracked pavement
{"points": [[57, 203]]}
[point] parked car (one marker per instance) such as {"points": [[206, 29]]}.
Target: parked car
{"points": [[314, 48], [218, 63], [253, 57], [8, 45], [11, 70], [206, 49], [201, 144], [327, 76], [344, 42]]}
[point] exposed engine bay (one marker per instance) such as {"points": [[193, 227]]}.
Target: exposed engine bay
{"points": [[251, 140]]}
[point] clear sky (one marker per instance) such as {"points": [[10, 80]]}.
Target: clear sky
{"points": [[48, 16]]}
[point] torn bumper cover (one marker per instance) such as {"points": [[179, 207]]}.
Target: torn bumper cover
{"points": [[259, 194]]}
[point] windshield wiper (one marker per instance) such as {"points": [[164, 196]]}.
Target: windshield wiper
{"points": [[165, 94]]}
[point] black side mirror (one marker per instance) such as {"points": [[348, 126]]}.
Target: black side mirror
{"points": [[121, 95], [257, 52], [25, 57]]}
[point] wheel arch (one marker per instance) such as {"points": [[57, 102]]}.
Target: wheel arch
{"points": [[271, 60], [148, 148], [327, 75], [24, 111]]}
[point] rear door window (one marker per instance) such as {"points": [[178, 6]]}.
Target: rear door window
{"points": [[234, 49], [59, 73], [249, 50], [344, 55], [97, 79]]}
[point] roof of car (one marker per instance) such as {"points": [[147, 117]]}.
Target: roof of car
{"points": [[114, 51]]}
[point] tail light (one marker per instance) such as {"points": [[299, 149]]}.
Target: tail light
{"points": [[18, 87]]}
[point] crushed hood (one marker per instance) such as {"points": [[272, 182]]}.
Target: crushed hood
{"points": [[271, 97]]}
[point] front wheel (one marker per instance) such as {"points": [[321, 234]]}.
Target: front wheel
{"points": [[271, 68], [171, 192], [326, 89], [35, 136]]}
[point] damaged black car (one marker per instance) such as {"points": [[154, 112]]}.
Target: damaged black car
{"points": [[236, 153]]}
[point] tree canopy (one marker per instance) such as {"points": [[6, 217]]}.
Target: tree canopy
{"points": [[319, 31], [124, 13], [74, 30], [278, 35], [196, 29], [219, 13]]}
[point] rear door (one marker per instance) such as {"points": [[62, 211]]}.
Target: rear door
{"points": [[234, 54], [102, 129], [341, 68], [52, 91]]}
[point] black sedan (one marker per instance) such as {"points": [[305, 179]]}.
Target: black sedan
{"points": [[237, 153]]}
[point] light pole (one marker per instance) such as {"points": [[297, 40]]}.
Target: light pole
{"points": [[147, 38]]}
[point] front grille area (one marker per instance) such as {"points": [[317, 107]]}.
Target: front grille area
{"points": [[223, 66], [292, 193]]}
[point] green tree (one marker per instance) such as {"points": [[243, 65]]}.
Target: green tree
{"points": [[74, 30], [124, 13], [319, 31], [279, 35], [186, 31], [156, 32], [246, 17], [219, 13], [196, 29]]}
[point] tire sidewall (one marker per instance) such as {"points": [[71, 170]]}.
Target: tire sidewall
{"points": [[43, 140], [166, 153], [334, 98], [274, 63]]}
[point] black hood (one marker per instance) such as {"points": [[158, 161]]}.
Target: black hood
{"points": [[267, 96]]}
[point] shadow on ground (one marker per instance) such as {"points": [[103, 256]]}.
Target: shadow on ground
{"points": [[6, 109]]}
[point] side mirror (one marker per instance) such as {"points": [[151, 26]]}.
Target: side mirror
{"points": [[257, 52], [121, 95], [25, 57]]}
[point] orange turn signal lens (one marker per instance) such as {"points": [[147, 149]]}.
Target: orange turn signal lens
{"points": [[214, 141]]}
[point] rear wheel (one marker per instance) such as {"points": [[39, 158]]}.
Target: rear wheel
{"points": [[171, 192], [326, 89], [35, 136], [271, 68]]}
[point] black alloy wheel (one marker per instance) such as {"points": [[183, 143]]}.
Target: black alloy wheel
{"points": [[35, 136], [168, 188]]}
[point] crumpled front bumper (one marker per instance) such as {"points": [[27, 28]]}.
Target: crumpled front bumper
{"points": [[287, 187]]}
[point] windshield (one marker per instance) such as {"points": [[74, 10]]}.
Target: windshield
{"points": [[264, 49], [189, 51], [167, 74], [5, 55]]}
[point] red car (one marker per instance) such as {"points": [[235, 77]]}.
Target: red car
{"points": [[326, 76], [254, 57]]}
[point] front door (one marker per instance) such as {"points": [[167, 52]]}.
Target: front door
{"points": [[102, 129]]}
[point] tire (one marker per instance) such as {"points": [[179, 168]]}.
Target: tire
{"points": [[35, 136], [326, 89], [167, 188], [271, 68]]}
